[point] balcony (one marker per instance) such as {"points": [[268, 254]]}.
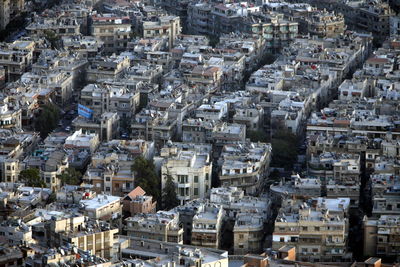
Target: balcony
{"points": [[184, 185]]}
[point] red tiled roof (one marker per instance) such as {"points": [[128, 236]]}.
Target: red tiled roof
{"points": [[138, 191], [377, 60]]}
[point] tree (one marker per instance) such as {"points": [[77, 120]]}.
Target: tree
{"points": [[169, 197], [146, 176], [47, 120], [70, 176], [284, 149], [31, 177], [53, 38], [257, 136]]}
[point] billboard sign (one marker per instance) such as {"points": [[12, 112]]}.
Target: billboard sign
{"points": [[84, 111]]}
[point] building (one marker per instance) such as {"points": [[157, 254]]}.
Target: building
{"points": [[113, 31], [318, 228], [168, 26], [189, 166], [248, 233], [381, 236], [137, 201], [152, 251], [162, 226], [245, 165], [102, 207], [207, 226]]}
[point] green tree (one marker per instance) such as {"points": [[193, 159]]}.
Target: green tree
{"points": [[257, 136], [47, 120], [284, 149], [169, 197], [31, 177], [213, 40], [146, 176], [53, 38], [70, 176]]}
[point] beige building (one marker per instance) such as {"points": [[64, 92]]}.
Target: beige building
{"points": [[106, 127], [113, 31], [162, 226], [102, 207], [248, 233], [245, 166], [382, 236], [110, 173], [16, 58], [50, 162], [87, 235], [169, 26], [207, 224], [318, 228], [107, 68], [168, 254]]}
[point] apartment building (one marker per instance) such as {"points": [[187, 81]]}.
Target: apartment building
{"points": [[112, 30], [16, 58], [197, 131], [60, 23], [299, 187], [51, 163], [107, 68], [318, 228], [15, 233], [248, 233], [110, 172], [169, 26], [234, 202], [102, 207], [85, 234], [162, 226], [382, 236], [110, 98], [323, 24], [274, 28], [245, 166], [106, 127], [79, 140], [207, 226], [190, 167], [167, 253]]}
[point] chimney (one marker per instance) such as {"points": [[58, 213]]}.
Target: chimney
{"points": [[287, 253], [373, 262], [256, 261]]}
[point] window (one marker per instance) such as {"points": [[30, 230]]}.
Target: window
{"points": [[281, 239], [196, 191], [206, 176], [241, 236], [108, 188], [304, 228], [108, 179], [196, 179]]}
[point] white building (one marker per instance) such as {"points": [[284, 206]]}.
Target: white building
{"points": [[190, 167]]}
